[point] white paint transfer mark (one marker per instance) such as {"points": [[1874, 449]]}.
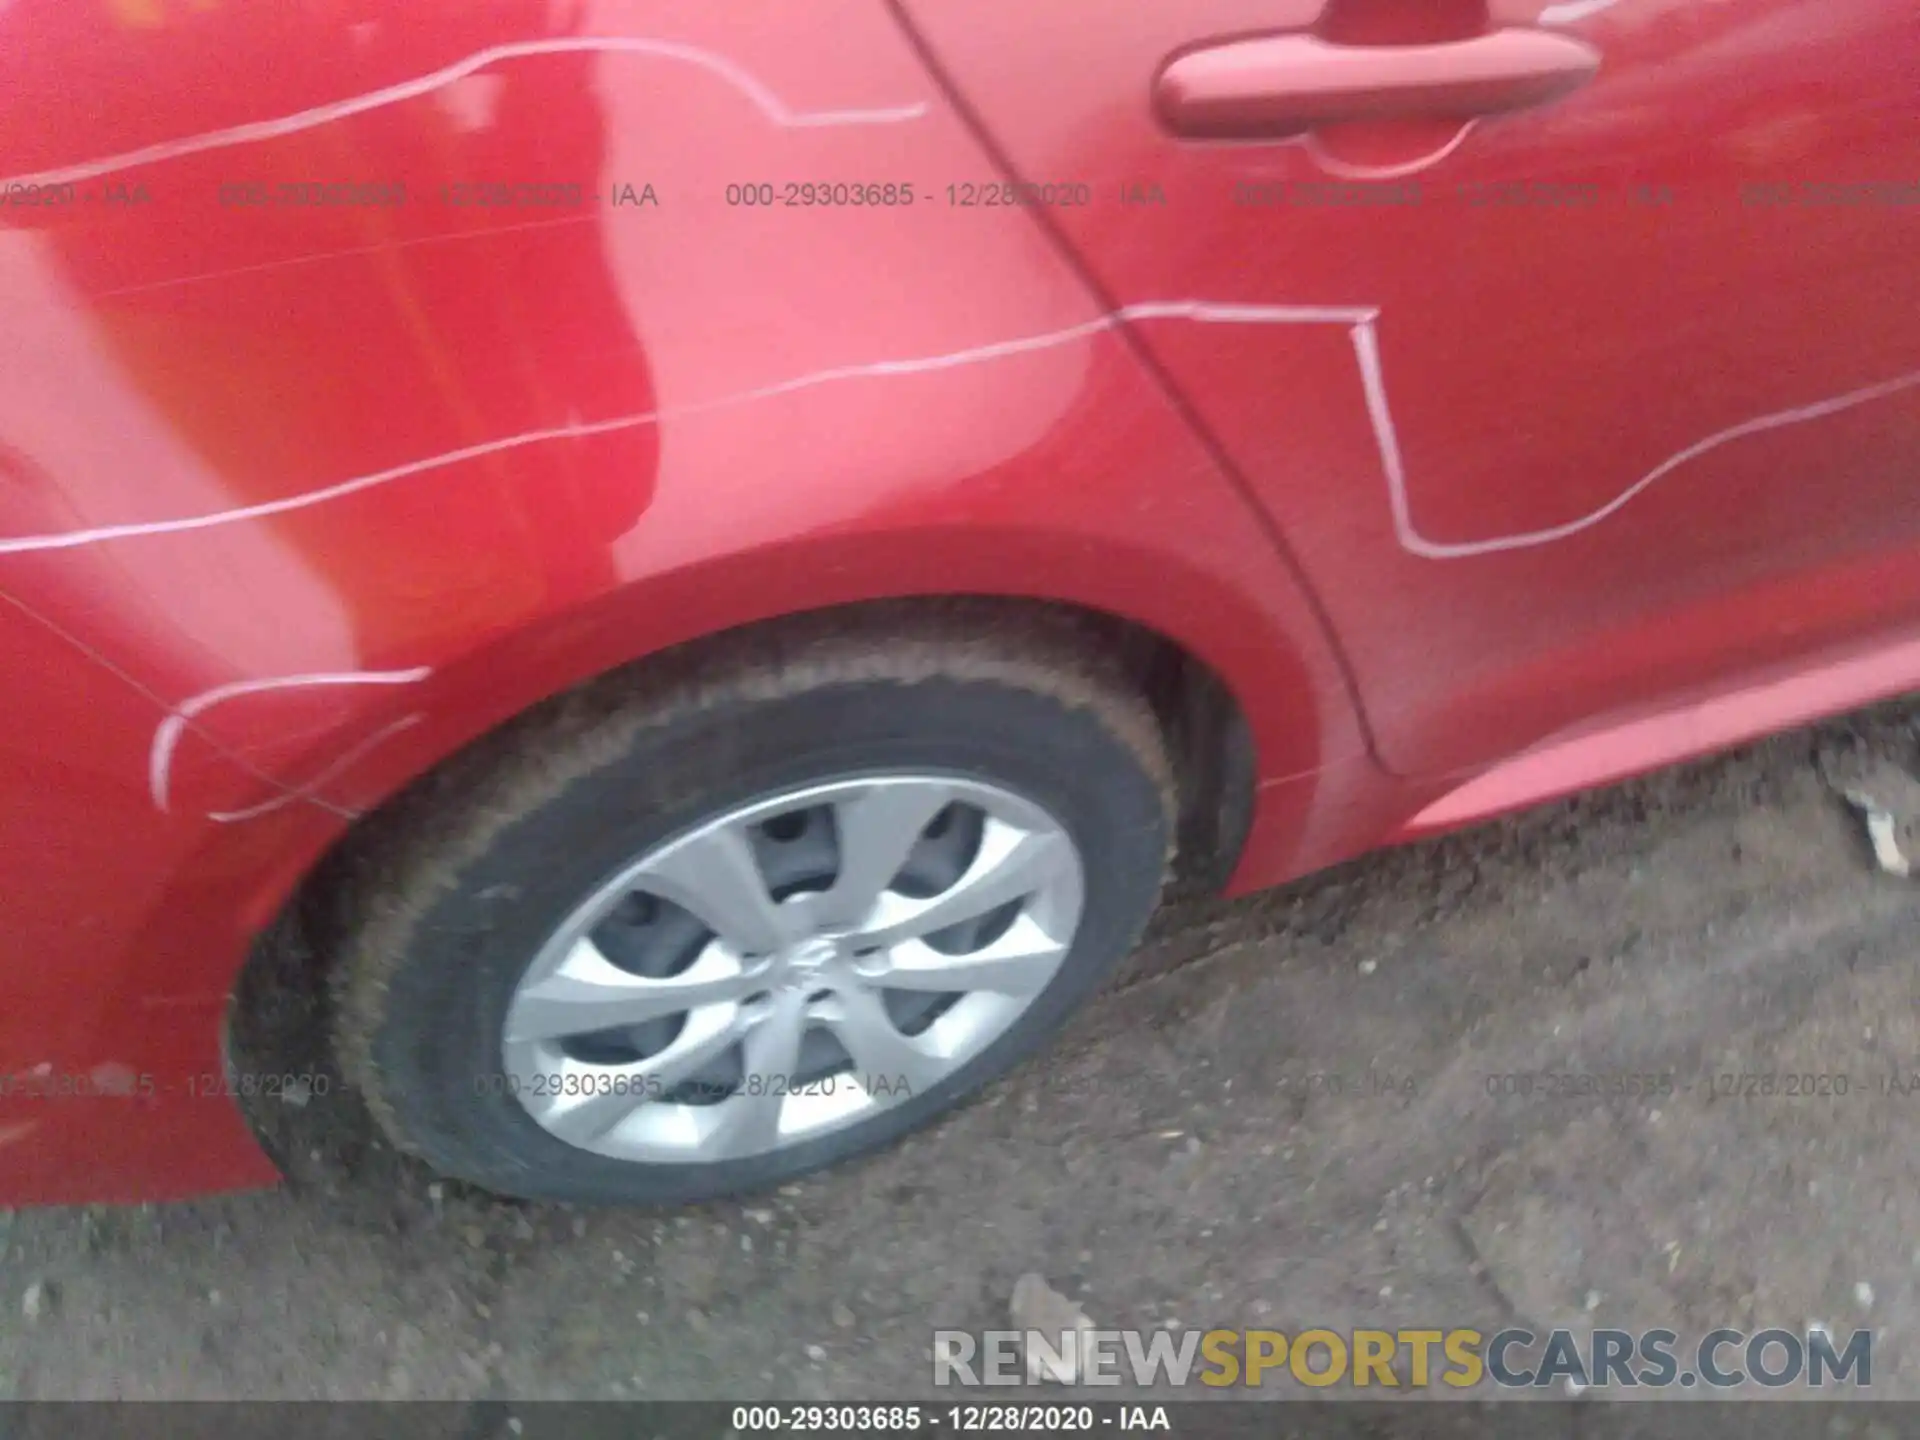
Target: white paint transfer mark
{"points": [[311, 789], [1201, 312], [1360, 322], [94, 654], [736, 75], [25, 544], [1569, 11], [1348, 170], [1415, 543], [1215, 312], [167, 736]]}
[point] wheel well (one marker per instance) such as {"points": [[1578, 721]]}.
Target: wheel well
{"points": [[1207, 739], [278, 1005], [1206, 734]]}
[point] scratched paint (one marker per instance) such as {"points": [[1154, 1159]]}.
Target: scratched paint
{"points": [[741, 79], [311, 789], [1412, 541], [1348, 170], [1360, 322], [1197, 311], [166, 737]]}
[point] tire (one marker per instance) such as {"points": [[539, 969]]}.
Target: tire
{"points": [[470, 887]]}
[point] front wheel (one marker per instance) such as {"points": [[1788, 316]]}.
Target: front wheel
{"points": [[665, 943]]}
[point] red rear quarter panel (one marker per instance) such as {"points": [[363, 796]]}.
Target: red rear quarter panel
{"points": [[302, 489]]}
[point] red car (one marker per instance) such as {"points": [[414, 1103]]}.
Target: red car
{"points": [[732, 547]]}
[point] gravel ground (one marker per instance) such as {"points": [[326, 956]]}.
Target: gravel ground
{"points": [[1170, 1162]]}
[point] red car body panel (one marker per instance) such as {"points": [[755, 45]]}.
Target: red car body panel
{"points": [[302, 490], [1560, 410]]}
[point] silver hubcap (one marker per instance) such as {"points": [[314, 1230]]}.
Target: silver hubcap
{"points": [[795, 966]]}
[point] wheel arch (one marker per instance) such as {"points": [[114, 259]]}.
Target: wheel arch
{"points": [[277, 1018], [1232, 683], [1201, 720]]}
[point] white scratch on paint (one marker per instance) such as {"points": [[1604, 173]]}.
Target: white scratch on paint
{"points": [[1359, 320], [736, 75], [1569, 11], [311, 789], [1373, 383], [1215, 312], [166, 738], [1412, 541], [1349, 170], [1202, 312]]}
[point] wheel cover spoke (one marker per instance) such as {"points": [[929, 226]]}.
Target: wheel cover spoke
{"points": [[878, 827], [884, 1060], [714, 875], [1021, 962], [802, 1015], [601, 1096], [1012, 863], [588, 992], [750, 1122]]}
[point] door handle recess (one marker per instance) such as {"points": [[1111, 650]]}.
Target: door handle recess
{"points": [[1285, 85]]}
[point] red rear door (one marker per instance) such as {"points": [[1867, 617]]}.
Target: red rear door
{"points": [[1568, 390]]}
